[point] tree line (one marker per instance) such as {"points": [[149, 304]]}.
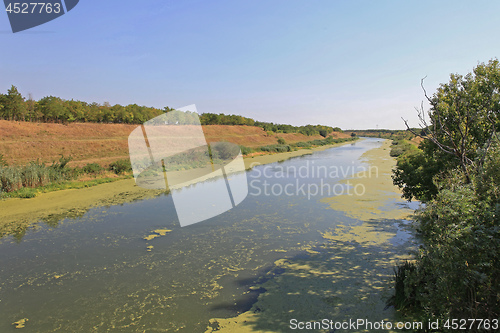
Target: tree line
{"points": [[14, 106], [222, 119]]}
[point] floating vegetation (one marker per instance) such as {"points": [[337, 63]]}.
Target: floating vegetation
{"points": [[157, 233], [20, 323]]}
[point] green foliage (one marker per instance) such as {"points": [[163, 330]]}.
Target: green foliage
{"points": [[280, 148], [121, 166], [401, 299], [34, 174], [400, 147], [464, 115], [416, 171], [26, 193], [63, 161], [457, 271], [224, 150], [302, 144], [328, 141], [246, 150], [35, 177], [92, 169], [276, 148], [456, 172], [271, 128], [281, 141], [457, 274], [13, 105], [384, 133], [222, 119]]}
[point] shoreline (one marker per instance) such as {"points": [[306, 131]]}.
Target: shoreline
{"points": [[17, 215]]}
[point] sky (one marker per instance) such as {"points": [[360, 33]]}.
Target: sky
{"points": [[352, 64]]}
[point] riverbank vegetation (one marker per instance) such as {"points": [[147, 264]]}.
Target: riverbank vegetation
{"points": [[456, 173], [283, 147], [402, 146], [27, 181], [384, 134]]}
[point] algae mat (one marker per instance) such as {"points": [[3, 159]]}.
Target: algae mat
{"points": [[348, 276]]}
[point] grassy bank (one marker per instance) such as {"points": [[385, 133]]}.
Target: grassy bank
{"points": [[36, 177]]}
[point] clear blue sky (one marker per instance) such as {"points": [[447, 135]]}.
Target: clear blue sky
{"points": [[352, 64]]}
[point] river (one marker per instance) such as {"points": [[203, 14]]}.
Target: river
{"points": [[101, 272]]}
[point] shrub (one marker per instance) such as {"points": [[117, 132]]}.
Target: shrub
{"points": [[121, 166], [63, 161], [246, 150], [281, 141], [92, 168], [224, 150], [302, 144], [400, 147], [276, 148], [456, 273]]}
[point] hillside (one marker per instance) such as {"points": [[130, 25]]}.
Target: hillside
{"points": [[21, 142]]}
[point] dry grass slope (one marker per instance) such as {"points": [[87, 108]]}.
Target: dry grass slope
{"points": [[21, 142]]}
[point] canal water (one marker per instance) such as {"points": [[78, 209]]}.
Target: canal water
{"points": [[132, 268]]}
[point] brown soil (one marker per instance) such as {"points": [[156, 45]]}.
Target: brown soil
{"points": [[21, 142]]}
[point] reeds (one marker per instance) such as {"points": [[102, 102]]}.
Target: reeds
{"points": [[34, 174]]}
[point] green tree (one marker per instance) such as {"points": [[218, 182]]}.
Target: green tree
{"points": [[14, 106], [31, 110], [464, 118], [456, 273], [53, 109]]}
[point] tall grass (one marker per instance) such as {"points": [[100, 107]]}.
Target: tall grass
{"points": [[23, 179], [34, 174]]}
